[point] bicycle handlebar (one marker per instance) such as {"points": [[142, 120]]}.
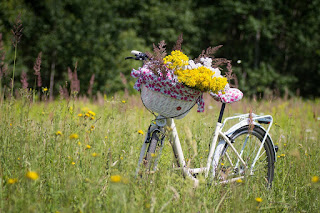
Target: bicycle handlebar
{"points": [[140, 56]]}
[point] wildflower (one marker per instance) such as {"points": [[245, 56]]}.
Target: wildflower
{"points": [[73, 163], [121, 158], [12, 180], [88, 147], [91, 113], [315, 179], [258, 199], [115, 178], [79, 143], [80, 115], [58, 133], [32, 175], [141, 132], [106, 137], [283, 155], [222, 164], [10, 124], [44, 89], [94, 154], [123, 101], [92, 118], [18, 158], [74, 136], [239, 181], [87, 115], [285, 144]]}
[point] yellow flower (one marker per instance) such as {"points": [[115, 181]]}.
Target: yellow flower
{"points": [[94, 154], [239, 181], [92, 118], [12, 180], [315, 179], [115, 178], [58, 133], [123, 101], [106, 137], [87, 115], [73, 163], [80, 115], [222, 164], [79, 143], [258, 199], [141, 132], [45, 89], [32, 175], [91, 113], [88, 147], [74, 136], [282, 155]]}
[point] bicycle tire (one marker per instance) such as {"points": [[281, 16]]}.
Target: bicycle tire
{"points": [[153, 152], [264, 167]]}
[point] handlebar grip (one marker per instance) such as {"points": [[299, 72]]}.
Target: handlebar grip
{"points": [[135, 52]]}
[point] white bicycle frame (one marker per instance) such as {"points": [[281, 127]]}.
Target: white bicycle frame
{"points": [[213, 157]]}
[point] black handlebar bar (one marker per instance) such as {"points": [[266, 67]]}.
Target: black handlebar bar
{"points": [[138, 56]]}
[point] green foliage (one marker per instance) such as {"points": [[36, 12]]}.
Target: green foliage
{"points": [[76, 177], [267, 36]]}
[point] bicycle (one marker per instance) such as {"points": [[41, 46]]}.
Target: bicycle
{"points": [[245, 149]]}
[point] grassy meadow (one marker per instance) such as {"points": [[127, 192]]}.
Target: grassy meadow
{"points": [[80, 156]]}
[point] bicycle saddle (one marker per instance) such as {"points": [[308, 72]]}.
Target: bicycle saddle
{"points": [[230, 95]]}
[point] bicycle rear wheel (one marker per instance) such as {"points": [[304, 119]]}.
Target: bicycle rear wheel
{"points": [[247, 142]]}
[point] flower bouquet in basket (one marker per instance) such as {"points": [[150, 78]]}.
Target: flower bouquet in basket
{"points": [[172, 84]]}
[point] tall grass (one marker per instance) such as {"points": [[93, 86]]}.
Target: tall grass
{"points": [[85, 155]]}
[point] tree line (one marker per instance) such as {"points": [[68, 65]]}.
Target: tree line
{"points": [[274, 45]]}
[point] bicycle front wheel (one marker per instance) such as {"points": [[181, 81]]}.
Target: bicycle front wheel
{"points": [[247, 143], [153, 152]]}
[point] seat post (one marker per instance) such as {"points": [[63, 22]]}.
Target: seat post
{"points": [[221, 112]]}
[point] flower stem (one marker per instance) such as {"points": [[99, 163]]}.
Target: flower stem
{"points": [[14, 67]]}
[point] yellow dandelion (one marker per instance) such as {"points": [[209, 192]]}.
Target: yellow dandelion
{"points": [[58, 133], [92, 118], [88, 146], [73, 163], [80, 115], [12, 180], [239, 181], [94, 154], [123, 101], [141, 132], [74, 136], [44, 89], [222, 164], [32, 175], [106, 137], [91, 113], [121, 158], [258, 199], [18, 158], [278, 156], [315, 179], [10, 124], [87, 115], [79, 143], [283, 155], [285, 144], [115, 178]]}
